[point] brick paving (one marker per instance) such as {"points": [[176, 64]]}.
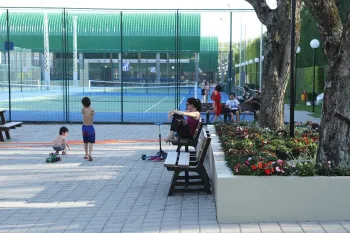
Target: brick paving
{"points": [[117, 192]]}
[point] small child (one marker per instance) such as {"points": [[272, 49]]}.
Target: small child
{"points": [[88, 128], [233, 105], [60, 143]]}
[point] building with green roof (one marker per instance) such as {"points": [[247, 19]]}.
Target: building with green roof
{"points": [[142, 46]]}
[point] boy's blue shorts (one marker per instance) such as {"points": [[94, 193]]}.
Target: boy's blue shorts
{"points": [[88, 133]]}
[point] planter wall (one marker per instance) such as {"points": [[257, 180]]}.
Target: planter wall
{"points": [[275, 198]]}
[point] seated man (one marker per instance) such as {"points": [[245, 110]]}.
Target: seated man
{"points": [[246, 94], [255, 101], [233, 105]]}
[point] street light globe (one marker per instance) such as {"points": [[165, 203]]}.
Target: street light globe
{"points": [[314, 44], [242, 64], [298, 49], [236, 65], [256, 60], [250, 61], [272, 4], [246, 63]]}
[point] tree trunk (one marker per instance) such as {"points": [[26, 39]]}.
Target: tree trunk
{"points": [[334, 142], [335, 124], [276, 64]]}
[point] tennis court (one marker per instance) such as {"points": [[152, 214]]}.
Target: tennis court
{"points": [[112, 101]]}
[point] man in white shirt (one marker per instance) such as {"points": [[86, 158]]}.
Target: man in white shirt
{"points": [[233, 105]]}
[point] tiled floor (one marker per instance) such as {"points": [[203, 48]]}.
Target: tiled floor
{"points": [[117, 192]]}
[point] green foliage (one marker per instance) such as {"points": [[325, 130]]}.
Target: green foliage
{"points": [[308, 32], [304, 81], [250, 150]]}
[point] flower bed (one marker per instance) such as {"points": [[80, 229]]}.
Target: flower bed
{"points": [[250, 150], [270, 172]]}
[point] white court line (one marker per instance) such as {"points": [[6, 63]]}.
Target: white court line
{"points": [[156, 104], [183, 98]]}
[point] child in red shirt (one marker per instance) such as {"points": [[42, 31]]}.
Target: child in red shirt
{"points": [[216, 98]]}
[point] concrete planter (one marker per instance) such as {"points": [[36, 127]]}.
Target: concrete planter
{"points": [[275, 198]]}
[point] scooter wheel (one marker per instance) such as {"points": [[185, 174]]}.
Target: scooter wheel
{"points": [[164, 155], [143, 157], [58, 158]]}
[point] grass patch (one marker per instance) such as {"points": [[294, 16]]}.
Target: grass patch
{"points": [[303, 107]]}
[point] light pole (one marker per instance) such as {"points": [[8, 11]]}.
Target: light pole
{"points": [[256, 60], [296, 69], [314, 45], [246, 71], [250, 68], [237, 72], [242, 75], [261, 72], [292, 77]]}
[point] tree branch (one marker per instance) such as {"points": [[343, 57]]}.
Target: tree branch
{"points": [[326, 14], [262, 10]]}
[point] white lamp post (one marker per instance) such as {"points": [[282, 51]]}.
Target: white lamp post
{"points": [[250, 68], [256, 60], [296, 68], [314, 45]]}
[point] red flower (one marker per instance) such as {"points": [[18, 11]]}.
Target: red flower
{"points": [[254, 167], [267, 172], [260, 165]]}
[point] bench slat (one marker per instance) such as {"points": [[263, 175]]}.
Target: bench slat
{"points": [[171, 159], [184, 159], [11, 125]]}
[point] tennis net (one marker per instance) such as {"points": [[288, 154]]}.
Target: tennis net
{"points": [[140, 87]]}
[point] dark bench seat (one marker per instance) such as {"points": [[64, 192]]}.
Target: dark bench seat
{"points": [[187, 162], [6, 126]]}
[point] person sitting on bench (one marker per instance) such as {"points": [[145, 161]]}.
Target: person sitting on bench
{"points": [[233, 105], [255, 101], [185, 128]]}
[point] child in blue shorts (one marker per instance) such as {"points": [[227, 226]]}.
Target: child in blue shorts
{"points": [[88, 128]]}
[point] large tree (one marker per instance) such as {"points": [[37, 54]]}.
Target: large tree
{"points": [[276, 58], [335, 123], [335, 36]]}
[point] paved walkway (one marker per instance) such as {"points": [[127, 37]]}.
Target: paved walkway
{"points": [[300, 116], [117, 192]]}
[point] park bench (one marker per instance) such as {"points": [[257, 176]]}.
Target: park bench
{"points": [[6, 126], [187, 162], [186, 142], [246, 109], [207, 110]]}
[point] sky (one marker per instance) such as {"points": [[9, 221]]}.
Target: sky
{"points": [[213, 22]]}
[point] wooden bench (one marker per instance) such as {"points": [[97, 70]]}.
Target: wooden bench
{"points": [[247, 109], [6, 126], [207, 110], [186, 142], [179, 162]]}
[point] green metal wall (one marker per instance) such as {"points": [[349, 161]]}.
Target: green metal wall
{"points": [[101, 31]]}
